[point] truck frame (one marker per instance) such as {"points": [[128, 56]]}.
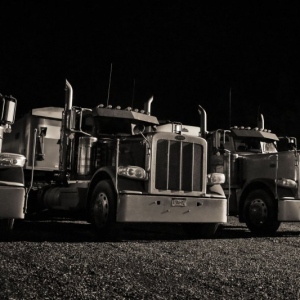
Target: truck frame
{"points": [[112, 166]]}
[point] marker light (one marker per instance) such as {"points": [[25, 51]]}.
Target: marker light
{"points": [[286, 182], [12, 160], [215, 178], [133, 172]]}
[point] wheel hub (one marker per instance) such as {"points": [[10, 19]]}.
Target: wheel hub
{"points": [[258, 212], [101, 209]]}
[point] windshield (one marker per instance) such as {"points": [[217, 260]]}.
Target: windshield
{"points": [[254, 145]]}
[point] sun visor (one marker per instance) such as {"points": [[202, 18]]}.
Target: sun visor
{"points": [[125, 114], [245, 133]]}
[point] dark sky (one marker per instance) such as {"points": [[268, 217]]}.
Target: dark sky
{"points": [[184, 54]]}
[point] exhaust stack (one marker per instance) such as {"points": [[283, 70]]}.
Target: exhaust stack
{"points": [[203, 121], [261, 122], [65, 131], [147, 106]]}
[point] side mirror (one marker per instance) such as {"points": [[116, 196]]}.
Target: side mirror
{"points": [[216, 139], [8, 110], [72, 121]]}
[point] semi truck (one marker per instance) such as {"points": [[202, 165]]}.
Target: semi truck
{"points": [[12, 185], [262, 173], [112, 166]]}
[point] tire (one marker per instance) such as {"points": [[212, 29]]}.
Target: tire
{"points": [[260, 213], [102, 211], [200, 229], [6, 227]]}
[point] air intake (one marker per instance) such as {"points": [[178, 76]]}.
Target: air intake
{"points": [[178, 166]]}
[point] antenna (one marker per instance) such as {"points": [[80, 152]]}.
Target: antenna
{"points": [[133, 90], [108, 92], [229, 107]]}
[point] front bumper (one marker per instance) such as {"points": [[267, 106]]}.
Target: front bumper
{"points": [[12, 200], [158, 208], [289, 209]]}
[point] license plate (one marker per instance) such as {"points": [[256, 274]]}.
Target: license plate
{"points": [[178, 202]]}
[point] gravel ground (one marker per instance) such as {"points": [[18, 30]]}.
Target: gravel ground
{"points": [[62, 259]]}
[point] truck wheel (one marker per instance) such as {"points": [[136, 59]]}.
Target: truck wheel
{"points": [[260, 213], [6, 226], [200, 229], [103, 210]]}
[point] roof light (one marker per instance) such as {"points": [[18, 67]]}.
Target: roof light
{"points": [[142, 111], [136, 110], [109, 106], [100, 106], [128, 108], [255, 128], [118, 107], [242, 127]]}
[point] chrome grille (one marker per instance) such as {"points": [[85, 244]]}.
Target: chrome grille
{"points": [[178, 166]]}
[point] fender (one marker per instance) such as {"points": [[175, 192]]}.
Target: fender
{"points": [[259, 183], [101, 174]]}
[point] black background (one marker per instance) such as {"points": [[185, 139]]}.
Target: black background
{"points": [[183, 53]]}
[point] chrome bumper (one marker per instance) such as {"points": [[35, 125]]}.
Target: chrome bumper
{"points": [[12, 199], [289, 209], [151, 208]]}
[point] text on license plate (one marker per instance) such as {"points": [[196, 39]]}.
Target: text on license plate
{"points": [[178, 202]]}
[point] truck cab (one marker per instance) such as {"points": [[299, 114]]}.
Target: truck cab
{"points": [[261, 182]]}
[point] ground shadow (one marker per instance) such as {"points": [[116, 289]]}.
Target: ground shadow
{"points": [[70, 231]]}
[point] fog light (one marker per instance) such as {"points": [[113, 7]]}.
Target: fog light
{"points": [[132, 172], [215, 178], [12, 160], [286, 182]]}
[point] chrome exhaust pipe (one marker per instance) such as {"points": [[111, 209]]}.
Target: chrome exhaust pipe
{"points": [[69, 96], [203, 121], [64, 133], [147, 106]]}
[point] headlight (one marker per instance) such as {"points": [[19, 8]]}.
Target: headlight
{"points": [[12, 160], [215, 178], [286, 182], [132, 172]]}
